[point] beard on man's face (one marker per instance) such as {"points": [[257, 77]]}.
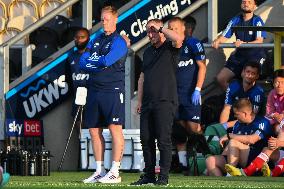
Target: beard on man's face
{"points": [[81, 46], [246, 11]]}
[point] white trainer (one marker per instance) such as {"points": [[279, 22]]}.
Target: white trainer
{"points": [[110, 178], [94, 177]]}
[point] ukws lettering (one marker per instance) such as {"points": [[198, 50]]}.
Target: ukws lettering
{"points": [[45, 97]]}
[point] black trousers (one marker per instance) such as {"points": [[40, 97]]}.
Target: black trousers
{"points": [[156, 122]]}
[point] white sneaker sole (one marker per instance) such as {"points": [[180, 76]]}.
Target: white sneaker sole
{"points": [[90, 181], [110, 181]]}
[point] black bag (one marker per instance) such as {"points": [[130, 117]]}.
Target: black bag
{"points": [[211, 109]]}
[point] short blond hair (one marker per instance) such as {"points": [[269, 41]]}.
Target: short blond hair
{"points": [[177, 19], [110, 9], [243, 104]]}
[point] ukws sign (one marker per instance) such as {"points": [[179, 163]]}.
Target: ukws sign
{"points": [[44, 96], [134, 26], [38, 97]]}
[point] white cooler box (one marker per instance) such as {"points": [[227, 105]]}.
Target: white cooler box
{"points": [[132, 156]]}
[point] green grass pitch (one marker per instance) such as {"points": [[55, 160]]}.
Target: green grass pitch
{"points": [[72, 180]]}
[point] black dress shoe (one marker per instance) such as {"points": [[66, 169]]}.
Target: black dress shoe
{"points": [[144, 179], [162, 181]]}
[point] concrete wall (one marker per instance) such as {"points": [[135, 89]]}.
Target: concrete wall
{"points": [[272, 12], [227, 9], [201, 19], [57, 126]]}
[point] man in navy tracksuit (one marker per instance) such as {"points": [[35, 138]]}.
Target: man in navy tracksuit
{"points": [[235, 63], [76, 75], [104, 61], [190, 76]]}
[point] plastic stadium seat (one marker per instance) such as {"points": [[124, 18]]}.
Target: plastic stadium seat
{"points": [[3, 37], [49, 5], [44, 36], [42, 52], [22, 7], [3, 10], [38, 2], [2, 24], [59, 24], [11, 32], [21, 22]]}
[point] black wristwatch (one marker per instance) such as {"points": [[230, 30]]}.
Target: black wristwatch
{"points": [[161, 28], [228, 136]]}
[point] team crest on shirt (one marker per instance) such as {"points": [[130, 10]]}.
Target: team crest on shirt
{"points": [[276, 104], [96, 44], [186, 50]]}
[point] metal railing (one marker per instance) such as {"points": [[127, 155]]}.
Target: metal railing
{"points": [[245, 45]]}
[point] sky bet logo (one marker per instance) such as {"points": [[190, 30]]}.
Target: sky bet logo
{"points": [[14, 128], [20, 128], [32, 128]]}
